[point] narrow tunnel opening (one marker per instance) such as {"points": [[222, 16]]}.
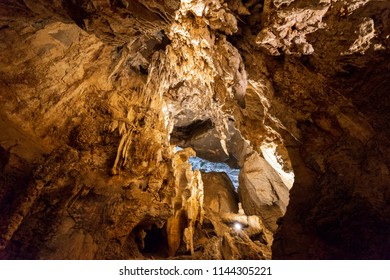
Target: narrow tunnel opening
{"points": [[207, 166], [152, 241], [270, 151]]}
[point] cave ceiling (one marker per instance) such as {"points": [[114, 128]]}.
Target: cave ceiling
{"points": [[97, 95]]}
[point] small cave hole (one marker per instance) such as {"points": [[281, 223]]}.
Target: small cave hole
{"points": [[143, 70], [152, 242], [259, 237]]}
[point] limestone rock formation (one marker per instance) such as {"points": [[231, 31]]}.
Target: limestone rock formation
{"points": [[96, 95], [219, 193], [262, 191], [286, 28], [188, 201]]}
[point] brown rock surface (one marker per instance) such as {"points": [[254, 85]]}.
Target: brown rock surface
{"points": [[94, 95], [219, 193], [262, 191]]}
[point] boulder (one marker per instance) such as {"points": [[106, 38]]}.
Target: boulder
{"points": [[219, 193], [262, 191]]}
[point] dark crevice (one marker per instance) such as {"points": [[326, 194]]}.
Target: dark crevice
{"points": [[76, 12], [152, 241], [187, 132]]}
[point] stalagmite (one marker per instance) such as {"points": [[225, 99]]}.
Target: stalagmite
{"points": [[105, 105]]}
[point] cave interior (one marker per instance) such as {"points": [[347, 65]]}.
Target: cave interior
{"points": [[194, 129]]}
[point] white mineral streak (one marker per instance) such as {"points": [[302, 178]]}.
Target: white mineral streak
{"points": [[366, 33]]}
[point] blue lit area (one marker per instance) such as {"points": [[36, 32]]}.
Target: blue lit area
{"points": [[208, 166]]}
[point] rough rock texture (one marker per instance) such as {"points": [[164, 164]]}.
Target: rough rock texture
{"points": [[333, 106], [219, 193], [73, 106], [285, 29], [262, 191], [187, 203], [96, 94]]}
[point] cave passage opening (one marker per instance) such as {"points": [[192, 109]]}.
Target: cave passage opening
{"points": [[152, 241], [270, 154], [240, 176], [206, 166]]}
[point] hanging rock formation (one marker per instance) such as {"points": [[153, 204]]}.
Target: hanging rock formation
{"points": [[96, 95]]}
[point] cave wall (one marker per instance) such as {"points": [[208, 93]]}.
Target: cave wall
{"points": [[330, 81], [93, 91], [75, 99]]}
